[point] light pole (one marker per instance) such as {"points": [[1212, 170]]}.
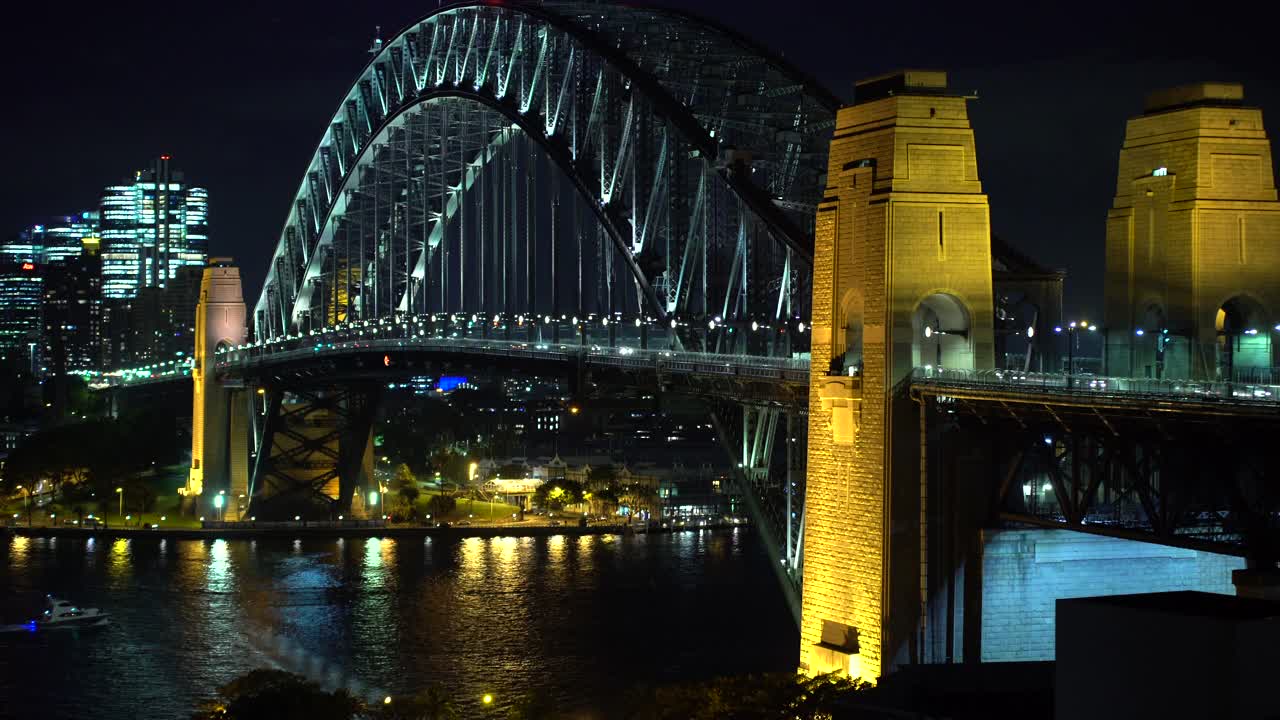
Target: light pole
{"points": [[373, 498], [1071, 329], [26, 502], [219, 501], [120, 493]]}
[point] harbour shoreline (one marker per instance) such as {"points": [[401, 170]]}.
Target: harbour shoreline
{"points": [[302, 530]]}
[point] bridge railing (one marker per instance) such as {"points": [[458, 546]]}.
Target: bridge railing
{"points": [[1015, 381], [387, 337]]}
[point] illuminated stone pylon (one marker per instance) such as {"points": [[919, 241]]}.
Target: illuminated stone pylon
{"points": [[902, 279], [1193, 240], [219, 417]]}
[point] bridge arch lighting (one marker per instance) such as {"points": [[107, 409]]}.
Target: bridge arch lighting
{"points": [[480, 76]]}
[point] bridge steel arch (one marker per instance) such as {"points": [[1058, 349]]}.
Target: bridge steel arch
{"points": [[616, 175], [687, 141]]}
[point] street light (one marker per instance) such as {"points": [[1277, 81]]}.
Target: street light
{"points": [[120, 492], [1071, 329], [218, 501], [26, 502]]}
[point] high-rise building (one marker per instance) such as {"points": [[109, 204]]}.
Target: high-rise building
{"points": [[152, 225], [21, 300], [73, 314], [62, 238]]}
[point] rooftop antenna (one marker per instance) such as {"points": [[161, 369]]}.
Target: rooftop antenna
{"points": [[376, 47]]}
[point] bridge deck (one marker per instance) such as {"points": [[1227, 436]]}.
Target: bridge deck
{"points": [[1145, 394]]}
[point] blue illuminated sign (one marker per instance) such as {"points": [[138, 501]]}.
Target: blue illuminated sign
{"points": [[450, 382]]}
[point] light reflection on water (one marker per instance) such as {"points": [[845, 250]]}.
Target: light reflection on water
{"points": [[588, 617]]}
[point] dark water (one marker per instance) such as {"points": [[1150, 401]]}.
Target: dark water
{"points": [[589, 618]]}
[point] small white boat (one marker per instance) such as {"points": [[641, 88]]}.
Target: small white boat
{"points": [[62, 614]]}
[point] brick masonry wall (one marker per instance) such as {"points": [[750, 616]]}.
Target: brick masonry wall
{"points": [[1026, 571]]}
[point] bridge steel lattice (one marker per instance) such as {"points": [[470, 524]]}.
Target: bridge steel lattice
{"points": [[570, 173]]}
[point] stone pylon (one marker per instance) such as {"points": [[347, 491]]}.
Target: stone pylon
{"points": [[1193, 241], [902, 280], [220, 414]]}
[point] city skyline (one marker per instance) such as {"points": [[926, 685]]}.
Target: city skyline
{"points": [[247, 137]]}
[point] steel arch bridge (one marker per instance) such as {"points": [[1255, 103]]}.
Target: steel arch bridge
{"points": [[699, 160], [593, 182]]}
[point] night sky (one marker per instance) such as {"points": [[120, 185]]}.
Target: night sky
{"points": [[240, 93]]}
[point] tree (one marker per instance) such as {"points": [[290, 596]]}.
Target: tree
{"points": [[441, 505], [772, 696], [638, 496], [278, 695], [433, 703], [454, 467], [407, 486], [556, 494]]}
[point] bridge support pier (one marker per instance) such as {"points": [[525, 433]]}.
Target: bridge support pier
{"points": [[901, 278], [315, 451], [217, 484]]}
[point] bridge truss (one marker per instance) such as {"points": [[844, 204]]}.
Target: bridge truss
{"points": [[1187, 465], [573, 174]]}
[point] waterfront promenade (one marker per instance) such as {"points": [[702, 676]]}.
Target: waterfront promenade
{"points": [[360, 528]]}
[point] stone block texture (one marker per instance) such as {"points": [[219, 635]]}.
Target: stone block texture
{"points": [[1025, 572], [1195, 224], [903, 219]]}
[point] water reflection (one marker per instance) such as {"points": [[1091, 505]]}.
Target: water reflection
{"points": [[497, 615], [218, 578]]}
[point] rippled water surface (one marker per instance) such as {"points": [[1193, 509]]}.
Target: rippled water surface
{"points": [[587, 617]]}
